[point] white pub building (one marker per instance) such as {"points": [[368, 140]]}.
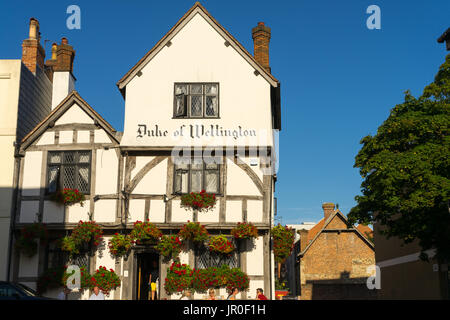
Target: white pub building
{"points": [[200, 113]]}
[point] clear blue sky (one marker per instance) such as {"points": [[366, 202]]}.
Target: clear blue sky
{"points": [[339, 79]]}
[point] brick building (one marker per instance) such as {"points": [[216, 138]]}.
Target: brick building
{"points": [[334, 259]]}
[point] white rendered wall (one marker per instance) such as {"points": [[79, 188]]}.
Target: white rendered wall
{"points": [[198, 54], [63, 84]]}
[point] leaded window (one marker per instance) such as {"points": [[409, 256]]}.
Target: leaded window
{"points": [[204, 258], [196, 100], [69, 169], [197, 176]]}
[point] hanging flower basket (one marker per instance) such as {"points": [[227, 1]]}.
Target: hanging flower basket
{"points": [[105, 280], [145, 233], [69, 196], [120, 245], [200, 201], [84, 235], [220, 244], [244, 230], [283, 242], [170, 246], [26, 243], [193, 231]]}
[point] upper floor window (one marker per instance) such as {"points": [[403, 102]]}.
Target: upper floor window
{"points": [[196, 176], [196, 100], [69, 169]]}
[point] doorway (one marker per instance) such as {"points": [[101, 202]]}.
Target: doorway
{"points": [[147, 263]]}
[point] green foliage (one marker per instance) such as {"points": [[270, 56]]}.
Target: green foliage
{"points": [[169, 246], [105, 280], [220, 244], [283, 242], [145, 232], [69, 196], [84, 234], [245, 230], [26, 243], [193, 231], [201, 201], [120, 245], [405, 168], [181, 277]]}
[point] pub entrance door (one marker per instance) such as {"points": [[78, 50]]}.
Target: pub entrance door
{"points": [[146, 263]]}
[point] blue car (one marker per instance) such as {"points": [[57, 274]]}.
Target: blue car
{"points": [[18, 291]]}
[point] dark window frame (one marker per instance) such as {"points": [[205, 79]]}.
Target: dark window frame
{"points": [[204, 170], [198, 251], [61, 164], [187, 100]]}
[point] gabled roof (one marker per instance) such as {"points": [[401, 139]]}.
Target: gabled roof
{"points": [[55, 114], [196, 8], [322, 225]]}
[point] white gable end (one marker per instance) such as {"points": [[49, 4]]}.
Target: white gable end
{"points": [[198, 54], [74, 115]]}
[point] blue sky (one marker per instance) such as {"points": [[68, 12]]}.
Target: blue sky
{"points": [[339, 79]]}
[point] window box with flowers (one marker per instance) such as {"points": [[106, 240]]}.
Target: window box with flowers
{"points": [[145, 233], [193, 231], [220, 244], [26, 243], [179, 278], [69, 196], [169, 246], [199, 201], [120, 245]]}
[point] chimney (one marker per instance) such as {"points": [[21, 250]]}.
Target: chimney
{"points": [[261, 39], [328, 210], [32, 52], [62, 65], [50, 64]]}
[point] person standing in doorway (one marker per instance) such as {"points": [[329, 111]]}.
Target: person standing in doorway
{"points": [[260, 294], [154, 274]]}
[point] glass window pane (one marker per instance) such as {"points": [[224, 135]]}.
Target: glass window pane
{"points": [[181, 182], [180, 108], [212, 165], [83, 179], [83, 156], [211, 89], [53, 175], [211, 106], [212, 181], [196, 181], [69, 157], [197, 164], [182, 166], [196, 88], [54, 157], [196, 106], [180, 88], [68, 177]]}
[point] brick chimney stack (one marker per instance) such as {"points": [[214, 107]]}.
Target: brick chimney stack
{"points": [[261, 39], [62, 65], [32, 52], [328, 210]]}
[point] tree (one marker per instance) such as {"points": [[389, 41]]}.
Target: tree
{"points": [[406, 167]]}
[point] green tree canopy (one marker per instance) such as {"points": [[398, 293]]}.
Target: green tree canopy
{"points": [[406, 167]]}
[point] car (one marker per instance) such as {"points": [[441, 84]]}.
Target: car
{"points": [[18, 291]]}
